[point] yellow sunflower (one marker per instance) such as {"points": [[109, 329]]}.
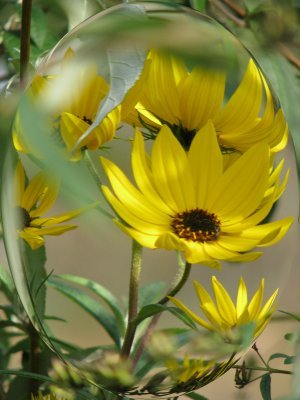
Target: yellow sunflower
{"points": [[223, 315], [33, 201], [77, 113], [186, 201], [185, 100]]}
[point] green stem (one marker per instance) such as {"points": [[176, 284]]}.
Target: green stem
{"points": [[91, 167], [136, 262], [181, 279], [269, 369], [25, 39]]}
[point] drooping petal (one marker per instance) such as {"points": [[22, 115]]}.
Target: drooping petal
{"points": [[34, 191], [19, 182]]}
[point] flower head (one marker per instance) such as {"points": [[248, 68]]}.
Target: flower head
{"points": [[77, 111], [185, 100], [188, 202], [33, 201], [223, 315]]}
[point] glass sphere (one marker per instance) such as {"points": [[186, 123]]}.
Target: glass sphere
{"points": [[185, 82]]}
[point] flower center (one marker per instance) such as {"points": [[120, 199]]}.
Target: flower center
{"points": [[196, 225], [87, 120], [23, 218]]}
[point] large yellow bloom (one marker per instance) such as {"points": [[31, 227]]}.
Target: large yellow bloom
{"points": [[186, 100], [186, 201], [33, 201], [223, 315]]}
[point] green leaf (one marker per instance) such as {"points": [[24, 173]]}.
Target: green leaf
{"points": [[125, 65], [12, 44], [289, 360], [277, 355], [152, 309], [15, 248], [38, 28], [34, 262], [296, 317], [89, 304], [182, 316], [6, 284], [252, 5], [102, 292], [149, 311], [199, 5], [150, 293], [265, 387], [196, 396]]}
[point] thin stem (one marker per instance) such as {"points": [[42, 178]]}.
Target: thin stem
{"points": [[34, 358], [136, 263], [227, 13], [254, 347], [181, 279], [25, 39], [91, 167], [265, 369]]}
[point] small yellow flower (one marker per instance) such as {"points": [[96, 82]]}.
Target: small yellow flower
{"points": [[189, 369], [33, 201], [185, 100], [46, 397], [188, 202], [223, 315]]}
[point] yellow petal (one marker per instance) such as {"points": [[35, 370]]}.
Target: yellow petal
{"points": [[205, 161], [132, 198], [34, 191], [201, 97], [240, 190], [224, 303], [171, 172], [243, 107], [242, 299], [34, 240], [19, 182], [255, 303], [191, 314]]}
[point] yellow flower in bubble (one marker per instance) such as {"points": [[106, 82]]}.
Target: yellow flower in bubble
{"points": [[187, 201], [32, 201], [46, 397], [77, 112], [185, 100], [189, 369], [223, 314]]}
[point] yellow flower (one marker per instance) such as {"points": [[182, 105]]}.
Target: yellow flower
{"points": [[189, 369], [78, 112], [80, 109], [32, 201], [223, 315], [45, 397], [187, 201], [186, 100]]}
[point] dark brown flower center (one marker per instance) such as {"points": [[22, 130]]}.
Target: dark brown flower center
{"points": [[23, 218], [87, 120], [196, 225]]}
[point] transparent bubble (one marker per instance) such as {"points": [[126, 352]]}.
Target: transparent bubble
{"points": [[187, 71]]}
